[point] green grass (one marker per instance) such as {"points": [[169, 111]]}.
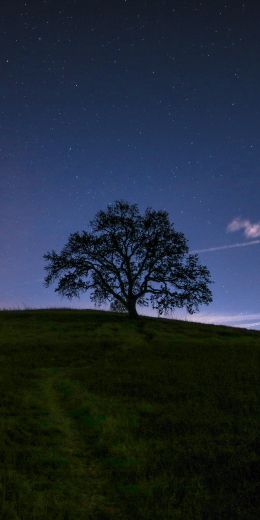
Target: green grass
{"points": [[104, 418]]}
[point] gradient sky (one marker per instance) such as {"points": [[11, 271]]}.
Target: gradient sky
{"points": [[155, 102]]}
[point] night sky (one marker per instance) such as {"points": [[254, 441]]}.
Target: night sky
{"points": [[155, 102]]}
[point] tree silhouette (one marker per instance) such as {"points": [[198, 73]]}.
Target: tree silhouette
{"points": [[129, 259]]}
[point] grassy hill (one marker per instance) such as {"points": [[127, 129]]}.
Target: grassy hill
{"points": [[103, 418]]}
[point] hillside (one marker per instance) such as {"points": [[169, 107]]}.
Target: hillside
{"points": [[104, 418]]}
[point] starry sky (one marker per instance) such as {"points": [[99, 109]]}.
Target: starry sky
{"points": [[155, 102]]}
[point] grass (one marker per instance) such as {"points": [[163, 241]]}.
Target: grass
{"points": [[104, 418]]}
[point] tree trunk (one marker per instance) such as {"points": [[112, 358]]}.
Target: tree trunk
{"points": [[132, 312]]}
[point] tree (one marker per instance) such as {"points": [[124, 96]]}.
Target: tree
{"points": [[129, 259]]}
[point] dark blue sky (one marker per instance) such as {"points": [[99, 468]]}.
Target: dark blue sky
{"points": [[156, 102]]}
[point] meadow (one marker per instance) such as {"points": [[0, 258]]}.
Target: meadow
{"points": [[107, 418]]}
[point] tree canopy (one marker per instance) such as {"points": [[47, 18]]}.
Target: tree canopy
{"points": [[130, 259]]}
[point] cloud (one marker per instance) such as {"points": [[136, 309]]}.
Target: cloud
{"points": [[241, 319], [230, 246], [250, 230], [235, 320], [253, 325], [228, 318]]}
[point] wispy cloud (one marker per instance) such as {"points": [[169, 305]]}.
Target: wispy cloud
{"points": [[253, 325], [236, 320], [251, 230], [241, 319], [230, 246], [228, 318]]}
